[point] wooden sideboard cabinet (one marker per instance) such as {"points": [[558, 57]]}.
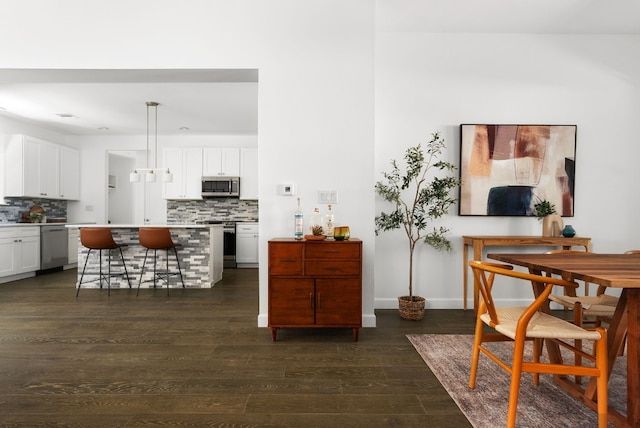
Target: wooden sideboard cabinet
{"points": [[315, 284]]}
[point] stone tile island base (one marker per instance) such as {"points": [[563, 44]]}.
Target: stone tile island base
{"points": [[200, 255]]}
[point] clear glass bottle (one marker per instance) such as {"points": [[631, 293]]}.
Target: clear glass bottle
{"points": [[299, 223], [329, 222], [315, 223]]}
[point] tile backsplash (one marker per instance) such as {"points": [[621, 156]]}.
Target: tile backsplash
{"points": [[12, 211], [219, 209], [183, 212]]}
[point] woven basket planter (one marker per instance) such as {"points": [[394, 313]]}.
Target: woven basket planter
{"points": [[411, 308]]}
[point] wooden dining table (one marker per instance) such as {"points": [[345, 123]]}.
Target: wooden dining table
{"points": [[620, 271]]}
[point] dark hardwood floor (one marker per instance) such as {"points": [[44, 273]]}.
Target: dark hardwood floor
{"points": [[197, 358]]}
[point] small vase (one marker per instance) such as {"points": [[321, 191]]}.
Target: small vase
{"points": [[568, 231], [341, 233], [552, 225]]}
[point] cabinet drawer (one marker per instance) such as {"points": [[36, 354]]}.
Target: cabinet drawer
{"points": [[247, 228], [332, 250], [285, 259], [332, 268], [19, 231]]}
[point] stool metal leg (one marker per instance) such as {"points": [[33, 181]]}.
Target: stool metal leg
{"points": [[167, 271], [142, 270], [83, 269], [124, 265], [101, 276], [155, 275], [109, 271], [178, 263]]}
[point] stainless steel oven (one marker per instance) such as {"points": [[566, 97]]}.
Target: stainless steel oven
{"points": [[229, 244]]}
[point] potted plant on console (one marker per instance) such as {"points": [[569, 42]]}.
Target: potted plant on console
{"points": [[551, 222], [418, 197]]}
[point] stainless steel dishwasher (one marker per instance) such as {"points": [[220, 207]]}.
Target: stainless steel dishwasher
{"points": [[54, 246]]}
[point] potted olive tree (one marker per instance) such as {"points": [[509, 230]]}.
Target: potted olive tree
{"points": [[418, 196]]}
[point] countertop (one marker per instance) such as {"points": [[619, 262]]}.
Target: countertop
{"points": [[33, 224], [136, 226]]}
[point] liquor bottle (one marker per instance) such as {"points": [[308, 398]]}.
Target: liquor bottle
{"points": [[315, 221], [329, 222], [299, 222]]}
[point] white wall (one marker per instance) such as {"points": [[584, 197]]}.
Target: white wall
{"points": [[435, 82], [315, 62], [323, 70]]}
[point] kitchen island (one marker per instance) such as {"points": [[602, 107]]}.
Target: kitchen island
{"points": [[200, 255]]}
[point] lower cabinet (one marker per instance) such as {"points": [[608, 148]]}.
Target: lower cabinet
{"points": [[19, 250], [247, 245], [315, 284], [73, 237]]}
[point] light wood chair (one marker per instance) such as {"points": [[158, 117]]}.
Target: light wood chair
{"points": [[521, 324]]}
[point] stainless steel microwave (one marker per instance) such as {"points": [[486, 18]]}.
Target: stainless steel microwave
{"points": [[220, 187]]}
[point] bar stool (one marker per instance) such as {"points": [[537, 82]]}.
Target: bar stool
{"points": [[158, 238], [101, 239]]}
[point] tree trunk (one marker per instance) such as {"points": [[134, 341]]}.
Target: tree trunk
{"points": [[412, 246]]}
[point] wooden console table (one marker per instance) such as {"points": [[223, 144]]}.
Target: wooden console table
{"points": [[479, 242]]}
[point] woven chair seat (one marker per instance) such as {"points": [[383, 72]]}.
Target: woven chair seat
{"points": [[542, 326], [602, 311], [586, 301]]}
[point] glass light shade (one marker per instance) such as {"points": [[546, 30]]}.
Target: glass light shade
{"points": [[150, 177], [167, 177], [134, 177]]}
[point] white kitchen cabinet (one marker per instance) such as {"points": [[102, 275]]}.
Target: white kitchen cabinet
{"points": [[7, 256], [41, 169], [69, 173], [49, 170], [186, 167], [73, 237], [32, 168], [221, 161], [249, 173], [247, 244], [19, 250]]}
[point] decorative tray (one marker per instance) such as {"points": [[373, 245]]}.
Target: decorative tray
{"points": [[315, 237]]}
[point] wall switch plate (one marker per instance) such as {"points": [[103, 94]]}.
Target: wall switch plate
{"points": [[287, 189], [327, 196]]}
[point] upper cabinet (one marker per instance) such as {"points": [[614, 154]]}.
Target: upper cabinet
{"points": [[69, 173], [249, 173], [186, 167], [221, 161], [34, 168]]}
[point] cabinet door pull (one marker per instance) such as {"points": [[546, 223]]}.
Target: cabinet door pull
{"points": [[311, 300], [318, 301], [287, 260]]}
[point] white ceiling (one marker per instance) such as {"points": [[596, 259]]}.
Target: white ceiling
{"points": [[510, 16], [204, 101], [226, 101]]}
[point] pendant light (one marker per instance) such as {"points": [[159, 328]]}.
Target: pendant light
{"points": [[150, 175]]}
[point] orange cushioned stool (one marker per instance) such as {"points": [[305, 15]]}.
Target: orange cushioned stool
{"points": [[158, 238], [101, 239]]}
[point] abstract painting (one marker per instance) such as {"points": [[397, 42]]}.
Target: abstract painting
{"points": [[506, 169]]}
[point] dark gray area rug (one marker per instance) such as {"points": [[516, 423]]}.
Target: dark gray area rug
{"points": [[545, 405]]}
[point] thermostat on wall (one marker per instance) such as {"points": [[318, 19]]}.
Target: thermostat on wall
{"points": [[287, 189]]}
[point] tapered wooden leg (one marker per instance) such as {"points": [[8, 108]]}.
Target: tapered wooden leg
{"points": [[274, 332]]}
